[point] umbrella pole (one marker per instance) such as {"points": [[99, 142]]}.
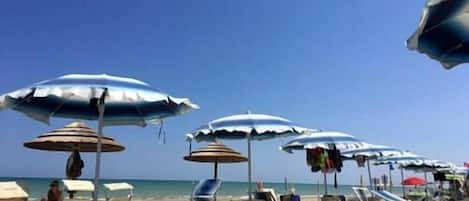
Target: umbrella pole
{"points": [[249, 168], [402, 179], [369, 173], [325, 183], [98, 151], [215, 173], [390, 180], [426, 186]]}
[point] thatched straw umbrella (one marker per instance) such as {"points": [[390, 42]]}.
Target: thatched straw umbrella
{"points": [[215, 153], [75, 136]]}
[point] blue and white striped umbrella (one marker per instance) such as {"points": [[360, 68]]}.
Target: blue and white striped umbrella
{"points": [[110, 100], [401, 159], [371, 151], [323, 139], [258, 126], [128, 101], [247, 126], [410, 161], [414, 162]]}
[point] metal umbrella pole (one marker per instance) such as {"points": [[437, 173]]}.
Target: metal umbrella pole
{"points": [[369, 173], [325, 183], [101, 108], [426, 184], [390, 179], [402, 179], [249, 167]]}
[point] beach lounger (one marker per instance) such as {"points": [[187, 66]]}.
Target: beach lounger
{"points": [[112, 187], [267, 194], [11, 191], [362, 193], [387, 196], [79, 186], [206, 190]]}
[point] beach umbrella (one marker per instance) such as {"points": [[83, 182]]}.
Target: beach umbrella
{"points": [[400, 160], [413, 181], [215, 153], [324, 140], [443, 32], [410, 161], [247, 126], [75, 136], [371, 152], [108, 99]]}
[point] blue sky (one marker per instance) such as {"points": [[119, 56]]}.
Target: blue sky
{"points": [[336, 65]]}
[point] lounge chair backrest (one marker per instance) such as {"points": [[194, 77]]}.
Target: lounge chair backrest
{"points": [[122, 186], [206, 188], [10, 190], [386, 195], [78, 185], [361, 192], [271, 194]]}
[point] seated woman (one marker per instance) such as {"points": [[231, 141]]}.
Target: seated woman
{"points": [[54, 194]]}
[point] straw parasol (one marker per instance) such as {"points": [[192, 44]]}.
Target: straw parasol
{"points": [[75, 136], [215, 153]]}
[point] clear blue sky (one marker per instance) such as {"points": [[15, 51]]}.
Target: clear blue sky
{"points": [[337, 65]]}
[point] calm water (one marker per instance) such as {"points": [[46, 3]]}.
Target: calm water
{"points": [[37, 187]]}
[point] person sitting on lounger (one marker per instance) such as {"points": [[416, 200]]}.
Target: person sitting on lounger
{"points": [[54, 194]]}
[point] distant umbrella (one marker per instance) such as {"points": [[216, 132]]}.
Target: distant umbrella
{"points": [[410, 161], [323, 139], [371, 152], [443, 32], [108, 99], [215, 153], [75, 136], [247, 126], [413, 181]]}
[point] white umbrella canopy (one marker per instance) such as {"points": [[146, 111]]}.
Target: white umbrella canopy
{"points": [[371, 152], [247, 126], [323, 139], [110, 100]]}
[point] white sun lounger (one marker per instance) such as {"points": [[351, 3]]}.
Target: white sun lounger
{"points": [[11, 191], [362, 193], [387, 196], [79, 186], [118, 187]]}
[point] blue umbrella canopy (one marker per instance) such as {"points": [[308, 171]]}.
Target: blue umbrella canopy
{"points": [[247, 126], [371, 151], [401, 159], [442, 33], [323, 139], [410, 161], [258, 126], [128, 101], [109, 99]]}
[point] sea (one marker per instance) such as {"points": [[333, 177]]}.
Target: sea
{"points": [[144, 189]]}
